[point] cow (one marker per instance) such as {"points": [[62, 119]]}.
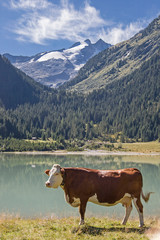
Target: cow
{"points": [[103, 187]]}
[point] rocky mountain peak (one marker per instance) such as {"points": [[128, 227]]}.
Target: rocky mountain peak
{"points": [[88, 41], [56, 67]]}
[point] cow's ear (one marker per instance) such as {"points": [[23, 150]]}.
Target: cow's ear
{"points": [[47, 172]]}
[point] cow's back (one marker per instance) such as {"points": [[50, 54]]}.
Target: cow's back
{"points": [[113, 185]]}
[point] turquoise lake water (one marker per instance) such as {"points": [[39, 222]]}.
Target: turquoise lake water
{"points": [[23, 192]]}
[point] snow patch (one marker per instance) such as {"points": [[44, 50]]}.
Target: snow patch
{"points": [[76, 48], [68, 53], [50, 55], [72, 52], [32, 60], [125, 56], [78, 67]]}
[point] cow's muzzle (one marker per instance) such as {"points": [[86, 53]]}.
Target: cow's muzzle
{"points": [[48, 184]]}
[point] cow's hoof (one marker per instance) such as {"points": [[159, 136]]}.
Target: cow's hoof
{"points": [[81, 222], [123, 223], [141, 225]]}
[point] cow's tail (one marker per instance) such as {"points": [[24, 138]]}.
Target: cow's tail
{"points": [[146, 196]]}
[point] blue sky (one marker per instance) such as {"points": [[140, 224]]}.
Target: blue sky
{"points": [[28, 27]]}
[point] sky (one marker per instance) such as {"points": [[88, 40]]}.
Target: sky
{"points": [[28, 27]]}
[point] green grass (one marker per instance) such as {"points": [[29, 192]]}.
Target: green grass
{"points": [[68, 228], [21, 145], [143, 147]]}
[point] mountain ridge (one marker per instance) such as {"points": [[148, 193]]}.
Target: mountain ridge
{"points": [[118, 61], [53, 68], [16, 88]]}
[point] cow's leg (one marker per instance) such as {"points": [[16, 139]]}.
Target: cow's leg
{"points": [[128, 212], [82, 209], [139, 207]]}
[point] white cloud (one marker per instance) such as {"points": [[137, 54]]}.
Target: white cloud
{"points": [[29, 4], [120, 33], [52, 21], [41, 20]]}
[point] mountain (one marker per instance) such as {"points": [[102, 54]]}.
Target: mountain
{"points": [[123, 96], [118, 61], [129, 107], [16, 87], [56, 67]]}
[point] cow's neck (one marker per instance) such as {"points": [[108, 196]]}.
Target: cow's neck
{"points": [[64, 178], [63, 183], [66, 172]]}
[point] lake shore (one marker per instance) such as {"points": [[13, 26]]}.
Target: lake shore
{"points": [[88, 152], [79, 147]]}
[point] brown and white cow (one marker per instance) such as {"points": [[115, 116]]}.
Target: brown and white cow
{"points": [[103, 187]]}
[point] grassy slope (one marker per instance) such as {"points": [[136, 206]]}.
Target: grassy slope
{"points": [[96, 228], [120, 60], [142, 147], [139, 147]]}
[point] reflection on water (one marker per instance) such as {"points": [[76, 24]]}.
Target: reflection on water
{"points": [[23, 191]]}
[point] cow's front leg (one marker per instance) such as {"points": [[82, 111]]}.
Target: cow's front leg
{"points": [[82, 209]]}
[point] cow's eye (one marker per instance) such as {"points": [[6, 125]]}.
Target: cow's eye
{"points": [[56, 174]]}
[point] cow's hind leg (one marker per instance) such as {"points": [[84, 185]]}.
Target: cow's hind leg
{"points": [[128, 212], [139, 207], [82, 209]]}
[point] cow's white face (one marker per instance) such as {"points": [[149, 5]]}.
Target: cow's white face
{"points": [[55, 177]]}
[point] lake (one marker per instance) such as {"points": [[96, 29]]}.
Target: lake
{"points": [[23, 191]]}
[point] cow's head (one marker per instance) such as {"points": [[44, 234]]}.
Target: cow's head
{"points": [[55, 177]]}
